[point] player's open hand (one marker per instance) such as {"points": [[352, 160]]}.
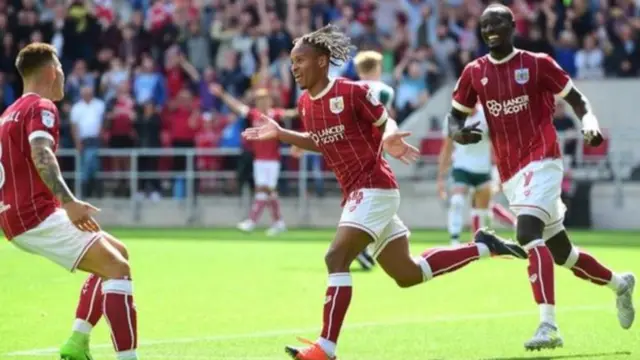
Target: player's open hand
{"points": [[296, 152], [268, 130], [80, 213], [469, 134], [592, 136], [395, 145]]}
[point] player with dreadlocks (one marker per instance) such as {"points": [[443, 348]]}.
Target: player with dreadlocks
{"points": [[350, 127]]}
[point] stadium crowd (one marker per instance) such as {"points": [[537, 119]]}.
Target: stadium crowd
{"points": [[140, 72]]}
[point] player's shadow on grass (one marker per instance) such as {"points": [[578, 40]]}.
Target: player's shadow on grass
{"points": [[565, 357]]}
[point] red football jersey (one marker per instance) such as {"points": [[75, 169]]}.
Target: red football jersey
{"points": [[343, 121], [25, 201], [517, 94], [265, 149]]}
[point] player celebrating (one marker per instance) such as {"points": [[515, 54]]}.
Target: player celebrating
{"points": [[266, 153], [471, 171], [350, 127], [40, 215], [516, 89]]}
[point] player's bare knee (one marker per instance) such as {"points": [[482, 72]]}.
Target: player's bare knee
{"points": [[336, 260], [117, 269]]}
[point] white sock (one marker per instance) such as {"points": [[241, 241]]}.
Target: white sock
{"points": [[616, 282], [483, 216], [82, 326], [483, 250], [547, 314], [455, 219], [127, 355], [329, 347]]}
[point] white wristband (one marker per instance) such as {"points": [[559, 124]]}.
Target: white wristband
{"points": [[590, 122]]}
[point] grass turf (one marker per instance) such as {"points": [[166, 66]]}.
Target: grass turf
{"points": [[218, 294]]}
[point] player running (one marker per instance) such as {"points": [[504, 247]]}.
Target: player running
{"points": [[516, 89], [39, 214], [471, 171], [350, 127], [266, 158]]}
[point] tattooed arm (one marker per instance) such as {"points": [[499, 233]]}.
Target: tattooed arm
{"points": [[46, 163]]}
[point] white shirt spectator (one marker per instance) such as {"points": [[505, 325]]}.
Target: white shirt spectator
{"points": [[589, 64], [87, 117]]}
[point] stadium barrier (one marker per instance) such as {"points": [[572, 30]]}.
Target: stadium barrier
{"points": [[420, 206]]}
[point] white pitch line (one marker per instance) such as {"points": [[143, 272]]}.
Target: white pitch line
{"points": [[282, 332]]}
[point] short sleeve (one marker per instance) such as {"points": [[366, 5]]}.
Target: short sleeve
{"points": [[43, 121], [552, 77], [368, 106], [464, 94]]}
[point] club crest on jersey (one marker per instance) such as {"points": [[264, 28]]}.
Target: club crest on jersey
{"points": [[336, 104], [48, 119], [521, 76]]}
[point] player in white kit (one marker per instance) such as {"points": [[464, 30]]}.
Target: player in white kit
{"points": [[471, 171], [369, 68]]}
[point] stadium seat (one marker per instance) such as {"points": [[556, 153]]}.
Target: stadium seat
{"points": [[430, 148]]}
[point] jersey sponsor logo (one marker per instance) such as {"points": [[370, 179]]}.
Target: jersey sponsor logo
{"points": [[521, 76], [508, 107], [328, 136], [336, 104], [48, 119], [372, 98]]}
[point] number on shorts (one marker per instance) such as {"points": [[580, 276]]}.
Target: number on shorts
{"points": [[355, 198], [527, 178]]}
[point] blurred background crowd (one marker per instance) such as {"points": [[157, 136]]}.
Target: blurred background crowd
{"points": [[140, 72]]}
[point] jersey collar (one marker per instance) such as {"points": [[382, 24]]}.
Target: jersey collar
{"points": [[505, 59], [324, 91]]}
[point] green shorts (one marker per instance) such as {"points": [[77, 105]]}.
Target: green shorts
{"points": [[469, 179]]}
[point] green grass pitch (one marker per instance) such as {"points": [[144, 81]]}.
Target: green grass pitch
{"points": [[219, 294]]}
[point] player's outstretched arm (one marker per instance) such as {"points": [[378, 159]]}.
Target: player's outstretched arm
{"points": [[47, 166], [272, 130], [581, 107], [234, 104]]}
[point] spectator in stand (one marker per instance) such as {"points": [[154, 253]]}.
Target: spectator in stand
{"points": [[411, 88], [148, 128], [119, 127], [7, 95], [87, 116], [79, 78], [183, 120], [112, 79], [590, 60], [625, 59], [148, 84]]}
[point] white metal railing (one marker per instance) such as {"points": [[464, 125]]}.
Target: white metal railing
{"points": [[301, 175]]}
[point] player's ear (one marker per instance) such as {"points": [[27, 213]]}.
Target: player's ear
{"points": [[323, 61]]}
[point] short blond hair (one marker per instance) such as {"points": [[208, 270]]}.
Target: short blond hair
{"points": [[33, 57], [367, 61]]}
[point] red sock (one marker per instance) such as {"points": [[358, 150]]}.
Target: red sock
{"points": [[475, 223], [541, 273], [336, 303], [444, 260], [259, 203], [89, 308], [120, 311], [588, 268], [274, 201], [503, 215]]}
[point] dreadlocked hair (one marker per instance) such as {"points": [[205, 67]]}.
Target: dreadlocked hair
{"points": [[331, 41]]}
